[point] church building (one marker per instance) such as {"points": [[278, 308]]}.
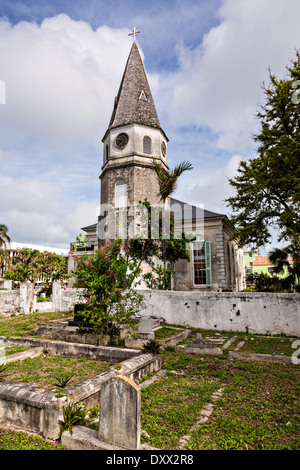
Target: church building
{"points": [[134, 138]]}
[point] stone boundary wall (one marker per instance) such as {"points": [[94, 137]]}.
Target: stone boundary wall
{"points": [[10, 301], [253, 312], [23, 300]]}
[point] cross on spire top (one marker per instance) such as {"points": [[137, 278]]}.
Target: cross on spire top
{"points": [[134, 33]]}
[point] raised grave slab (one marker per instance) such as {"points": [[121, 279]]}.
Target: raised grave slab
{"points": [[32, 409], [200, 346]]}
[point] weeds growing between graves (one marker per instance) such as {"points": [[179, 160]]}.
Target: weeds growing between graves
{"points": [[12, 440], [259, 408], [72, 415], [50, 372]]}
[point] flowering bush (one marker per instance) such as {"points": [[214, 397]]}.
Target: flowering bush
{"points": [[109, 279]]}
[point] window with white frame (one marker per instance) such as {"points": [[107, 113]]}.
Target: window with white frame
{"points": [[201, 262], [121, 193]]}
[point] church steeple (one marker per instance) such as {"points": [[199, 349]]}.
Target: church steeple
{"points": [[134, 103], [133, 139]]}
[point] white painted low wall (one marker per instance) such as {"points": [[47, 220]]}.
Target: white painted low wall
{"points": [[9, 301], [253, 312], [23, 300]]}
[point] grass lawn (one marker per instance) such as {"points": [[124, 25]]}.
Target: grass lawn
{"points": [[259, 408], [10, 440], [24, 325], [43, 370]]}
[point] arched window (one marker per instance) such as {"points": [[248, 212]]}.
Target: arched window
{"points": [[106, 152], [147, 145], [121, 193]]}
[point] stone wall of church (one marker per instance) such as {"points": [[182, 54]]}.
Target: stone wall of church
{"points": [[227, 266]]}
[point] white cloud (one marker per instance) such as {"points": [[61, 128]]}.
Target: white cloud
{"points": [[219, 83], [209, 188], [60, 78], [60, 81], [38, 212]]}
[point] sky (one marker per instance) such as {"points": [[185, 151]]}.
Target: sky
{"points": [[61, 63]]}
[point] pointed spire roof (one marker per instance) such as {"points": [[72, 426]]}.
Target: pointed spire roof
{"points": [[134, 103]]}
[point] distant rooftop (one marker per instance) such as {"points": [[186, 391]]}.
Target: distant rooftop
{"points": [[41, 248]]}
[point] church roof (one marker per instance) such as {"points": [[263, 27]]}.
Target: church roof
{"points": [[134, 103], [188, 211], [182, 211]]}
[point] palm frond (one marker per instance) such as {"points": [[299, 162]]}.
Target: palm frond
{"points": [[168, 180]]}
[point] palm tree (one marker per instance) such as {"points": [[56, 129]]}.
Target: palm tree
{"points": [[3, 235], [168, 181], [287, 261]]}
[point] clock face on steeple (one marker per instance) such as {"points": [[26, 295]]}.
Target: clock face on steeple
{"points": [[122, 140]]}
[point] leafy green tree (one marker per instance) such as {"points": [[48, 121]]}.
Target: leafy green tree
{"points": [[168, 250], [263, 282], [4, 261], [25, 266], [32, 265], [4, 237], [267, 187], [54, 267], [29, 265], [109, 279]]}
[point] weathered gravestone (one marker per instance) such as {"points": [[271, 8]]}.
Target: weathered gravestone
{"points": [[145, 328], [120, 412]]}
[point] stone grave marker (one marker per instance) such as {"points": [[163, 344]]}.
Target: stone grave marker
{"points": [[120, 412], [145, 328]]}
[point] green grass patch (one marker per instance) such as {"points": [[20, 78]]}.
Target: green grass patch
{"points": [[24, 325], [259, 409], [10, 440], [268, 345], [170, 407], [9, 350], [41, 371], [166, 332]]}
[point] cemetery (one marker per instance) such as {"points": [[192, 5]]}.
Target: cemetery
{"points": [[39, 411], [117, 388], [153, 376]]}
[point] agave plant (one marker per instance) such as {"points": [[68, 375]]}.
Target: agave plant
{"points": [[72, 415], [63, 380], [2, 369], [152, 346]]}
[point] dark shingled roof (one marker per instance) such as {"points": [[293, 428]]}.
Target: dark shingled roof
{"points": [[134, 103], [187, 211], [183, 211]]}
